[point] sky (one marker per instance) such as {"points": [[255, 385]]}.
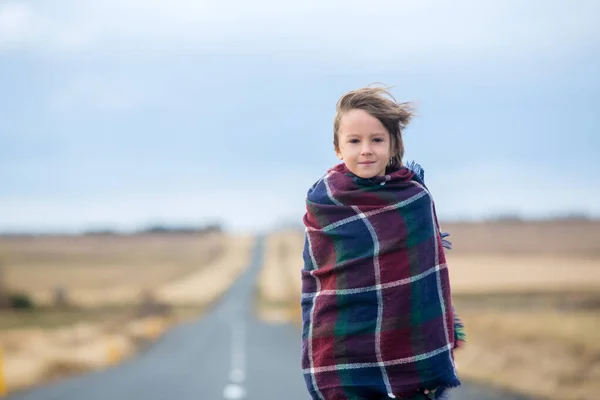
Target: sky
{"points": [[123, 114]]}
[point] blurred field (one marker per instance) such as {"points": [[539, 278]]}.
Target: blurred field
{"points": [[121, 291], [278, 285], [103, 269], [529, 293], [520, 256]]}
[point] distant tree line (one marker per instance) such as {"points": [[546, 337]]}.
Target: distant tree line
{"points": [[212, 228], [152, 229], [162, 229], [515, 217]]}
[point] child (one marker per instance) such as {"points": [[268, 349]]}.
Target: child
{"points": [[378, 320]]}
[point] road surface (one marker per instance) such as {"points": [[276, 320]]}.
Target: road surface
{"points": [[228, 354]]}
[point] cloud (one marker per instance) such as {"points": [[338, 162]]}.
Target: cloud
{"points": [[380, 28], [23, 26], [488, 189], [191, 88], [94, 94], [259, 209], [493, 42], [17, 23]]}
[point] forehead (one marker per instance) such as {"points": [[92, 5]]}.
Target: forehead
{"points": [[360, 122]]}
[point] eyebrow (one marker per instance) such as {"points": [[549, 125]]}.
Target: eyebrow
{"points": [[370, 134]]}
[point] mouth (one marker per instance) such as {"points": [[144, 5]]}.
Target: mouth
{"points": [[366, 162]]}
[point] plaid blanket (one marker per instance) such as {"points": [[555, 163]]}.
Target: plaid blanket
{"points": [[376, 302]]}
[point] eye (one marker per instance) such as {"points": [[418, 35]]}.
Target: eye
{"points": [[378, 140], [353, 141]]}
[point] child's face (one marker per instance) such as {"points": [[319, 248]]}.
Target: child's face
{"points": [[364, 144]]}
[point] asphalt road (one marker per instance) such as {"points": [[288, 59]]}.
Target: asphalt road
{"points": [[228, 354]]}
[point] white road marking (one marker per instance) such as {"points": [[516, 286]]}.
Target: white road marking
{"points": [[237, 374], [234, 392], [238, 351]]}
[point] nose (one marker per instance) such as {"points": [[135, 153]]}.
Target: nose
{"points": [[366, 148]]}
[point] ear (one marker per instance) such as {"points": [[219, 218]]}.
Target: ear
{"points": [[339, 154]]}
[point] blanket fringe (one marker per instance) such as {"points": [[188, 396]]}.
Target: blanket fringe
{"points": [[443, 392], [417, 169], [445, 242], [460, 336]]}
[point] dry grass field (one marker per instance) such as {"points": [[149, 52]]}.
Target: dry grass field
{"points": [[103, 269], [105, 278], [520, 256], [278, 285], [529, 293]]}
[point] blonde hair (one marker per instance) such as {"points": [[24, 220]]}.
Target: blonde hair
{"points": [[379, 103]]}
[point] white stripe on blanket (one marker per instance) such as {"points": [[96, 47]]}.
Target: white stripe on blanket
{"points": [[310, 328], [400, 282], [368, 213], [389, 363], [384, 373], [437, 275]]}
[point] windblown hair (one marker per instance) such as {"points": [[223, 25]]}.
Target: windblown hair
{"points": [[379, 103]]}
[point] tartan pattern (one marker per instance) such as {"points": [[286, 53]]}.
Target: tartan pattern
{"points": [[376, 300]]}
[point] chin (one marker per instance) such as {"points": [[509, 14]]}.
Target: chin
{"points": [[365, 175]]}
